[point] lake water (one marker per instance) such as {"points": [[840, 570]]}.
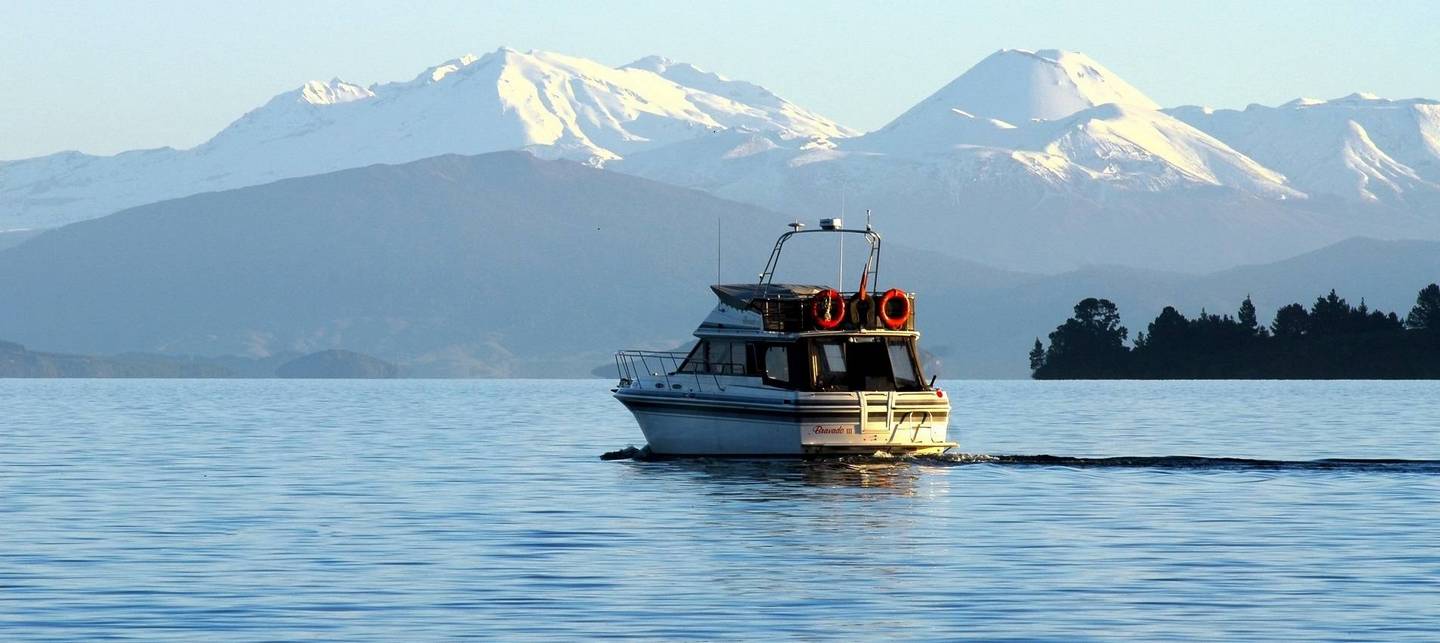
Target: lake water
{"points": [[416, 510]]}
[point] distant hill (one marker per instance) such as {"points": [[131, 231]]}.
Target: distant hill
{"points": [[337, 364], [494, 265], [18, 361]]}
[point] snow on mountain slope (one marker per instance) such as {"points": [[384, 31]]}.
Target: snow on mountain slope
{"points": [[1360, 147], [1016, 86], [1052, 109], [554, 105], [1073, 180], [1149, 150], [765, 105], [1073, 128], [1100, 148], [1031, 160]]}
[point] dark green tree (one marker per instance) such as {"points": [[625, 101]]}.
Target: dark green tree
{"points": [[1291, 321], [1248, 319], [1101, 317], [1089, 345], [1426, 313], [1331, 315], [1037, 356], [1364, 320], [1168, 331]]}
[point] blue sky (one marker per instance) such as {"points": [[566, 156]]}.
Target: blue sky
{"points": [[102, 77]]}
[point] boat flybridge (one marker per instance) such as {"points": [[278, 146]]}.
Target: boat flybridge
{"points": [[792, 370]]}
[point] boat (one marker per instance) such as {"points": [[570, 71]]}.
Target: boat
{"points": [[792, 370]]}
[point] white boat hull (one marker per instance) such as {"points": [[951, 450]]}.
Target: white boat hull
{"points": [[797, 425]]}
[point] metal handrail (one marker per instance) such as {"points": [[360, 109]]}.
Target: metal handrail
{"points": [[669, 362], [872, 262]]}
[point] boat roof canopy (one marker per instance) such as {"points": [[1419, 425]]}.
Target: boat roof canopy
{"points": [[740, 295]]}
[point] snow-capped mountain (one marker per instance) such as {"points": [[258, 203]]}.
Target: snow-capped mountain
{"points": [[1360, 147], [1121, 145], [554, 105], [1034, 160], [1012, 87], [1038, 160], [1062, 119]]}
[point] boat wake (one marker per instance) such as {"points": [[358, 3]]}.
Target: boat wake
{"points": [[1184, 462], [1171, 462]]}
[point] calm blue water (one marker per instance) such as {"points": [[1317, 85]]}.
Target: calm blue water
{"points": [[411, 510]]}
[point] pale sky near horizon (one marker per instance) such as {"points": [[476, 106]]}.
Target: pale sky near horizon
{"points": [[103, 77]]}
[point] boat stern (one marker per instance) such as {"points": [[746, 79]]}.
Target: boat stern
{"points": [[898, 423]]}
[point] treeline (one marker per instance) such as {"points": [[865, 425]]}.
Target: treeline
{"points": [[1329, 340]]}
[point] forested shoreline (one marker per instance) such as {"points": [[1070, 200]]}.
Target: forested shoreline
{"points": [[1329, 340]]}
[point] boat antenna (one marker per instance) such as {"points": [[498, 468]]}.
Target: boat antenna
{"points": [[795, 225], [718, 278], [868, 228]]}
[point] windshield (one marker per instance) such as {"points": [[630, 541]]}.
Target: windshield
{"points": [[719, 357]]}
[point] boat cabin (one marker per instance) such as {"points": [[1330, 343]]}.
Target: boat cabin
{"points": [[809, 338], [828, 363]]}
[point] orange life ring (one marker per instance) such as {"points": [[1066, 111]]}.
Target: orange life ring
{"points": [[828, 309], [894, 320]]}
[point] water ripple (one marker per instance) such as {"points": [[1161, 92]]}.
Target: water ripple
{"points": [[422, 510]]}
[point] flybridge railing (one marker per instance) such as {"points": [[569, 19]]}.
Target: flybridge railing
{"points": [[872, 262], [663, 367]]}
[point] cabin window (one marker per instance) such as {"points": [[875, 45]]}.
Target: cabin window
{"points": [[695, 361], [727, 358], [901, 364], [777, 363], [832, 359], [715, 356]]}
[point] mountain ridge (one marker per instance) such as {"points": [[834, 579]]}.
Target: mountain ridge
{"points": [[1090, 171], [1357, 147], [551, 104]]}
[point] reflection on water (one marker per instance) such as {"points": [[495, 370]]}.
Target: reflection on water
{"points": [[777, 477], [411, 510]]}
